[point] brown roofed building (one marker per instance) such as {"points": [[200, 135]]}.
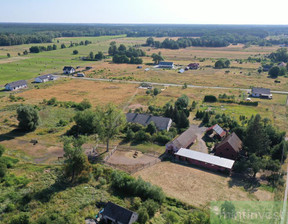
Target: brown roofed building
{"points": [[185, 140], [229, 148]]}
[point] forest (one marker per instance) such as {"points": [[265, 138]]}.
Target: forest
{"points": [[16, 33]]}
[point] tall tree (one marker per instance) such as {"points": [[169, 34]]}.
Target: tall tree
{"points": [[28, 118], [110, 122], [75, 159]]}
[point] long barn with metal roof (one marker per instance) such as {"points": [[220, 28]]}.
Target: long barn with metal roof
{"points": [[205, 160]]}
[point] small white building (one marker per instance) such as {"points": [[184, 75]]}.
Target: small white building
{"points": [[68, 70], [181, 70], [165, 64], [44, 78], [21, 84], [80, 74], [261, 93]]}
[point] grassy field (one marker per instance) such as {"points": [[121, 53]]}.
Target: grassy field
{"points": [[198, 187]]}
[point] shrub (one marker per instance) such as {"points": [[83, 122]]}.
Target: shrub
{"points": [[85, 104], [28, 118], [210, 98], [142, 136]]}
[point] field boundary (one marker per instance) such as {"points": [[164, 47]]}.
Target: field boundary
{"points": [[110, 154]]}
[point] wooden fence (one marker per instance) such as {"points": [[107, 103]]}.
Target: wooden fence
{"points": [[110, 153]]}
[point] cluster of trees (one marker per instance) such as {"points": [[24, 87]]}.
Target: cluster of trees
{"points": [[38, 49], [276, 71], [222, 63], [280, 55], [187, 42], [124, 55], [83, 105], [106, 122], [227, 99], [17, 39], [97, 57], [157, 58]]}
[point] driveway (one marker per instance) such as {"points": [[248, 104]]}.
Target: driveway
{"points": [[200, 144]]}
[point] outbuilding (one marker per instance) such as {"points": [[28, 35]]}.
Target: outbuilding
{"points": [[208, 161], [44, 78], [21, 84], [165, 64]]}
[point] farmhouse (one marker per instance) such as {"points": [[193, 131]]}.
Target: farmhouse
{"points": [[68, 70], [115, 214], [164, 64], [44, 78], [229, 148], [16, 85], [185, 140], [193, 66], [162, 123], [261, 93], [205, 160], [219, 132]]}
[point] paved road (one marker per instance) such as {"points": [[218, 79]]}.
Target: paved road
{"points": [[170, 84]]}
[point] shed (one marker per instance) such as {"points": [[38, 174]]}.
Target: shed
{"points": [[229, 148], [185, 140], [205, 160], [80, 74], [16, 85], [217, 129], [181, 70], [115, 214]]}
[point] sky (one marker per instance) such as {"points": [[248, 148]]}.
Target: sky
{"points": [[145, 11]]}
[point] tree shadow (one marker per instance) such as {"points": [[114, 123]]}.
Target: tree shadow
{"points": [[250, 184], [12, 135]]}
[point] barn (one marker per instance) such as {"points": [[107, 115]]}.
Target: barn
{"points": [[208, 161], [16, 85], [229, 148], [185, 140]]}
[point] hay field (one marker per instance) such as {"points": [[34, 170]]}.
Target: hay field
{"points": [[198, 187]]}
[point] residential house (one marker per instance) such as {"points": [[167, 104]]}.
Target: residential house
{"points": [[115, 214], [44, 78], [165, 64], [205, 160], [229, 148], [261, 93], [217, 131], [68, 70], [193, 66], [185, 140], [16, 85], [162, 123]]}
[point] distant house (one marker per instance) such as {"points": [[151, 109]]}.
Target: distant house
{"points": [[68, 70], [193, 66], [219, 132], [162, 123], [229, 148], [80, 75], [165, 64], [115, 214], [88, 67], [261, 93], [44, 78], [181, 70], [21, 84], [139, 66], [185, 140], [205, 160]]}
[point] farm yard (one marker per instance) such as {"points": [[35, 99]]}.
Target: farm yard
{"points": [[140, 149]]}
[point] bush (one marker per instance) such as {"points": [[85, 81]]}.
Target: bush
{"points": [[75, 52], [28, 118], [162, 138], [248, 103], [85, 104], [142, 136], [22, 218], [210, 99]]}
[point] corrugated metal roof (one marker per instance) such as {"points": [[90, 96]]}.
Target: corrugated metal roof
{"points": [[207, 158], [218, 129]]}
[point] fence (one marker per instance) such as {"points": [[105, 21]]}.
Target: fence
{"points": [[110, 153]]}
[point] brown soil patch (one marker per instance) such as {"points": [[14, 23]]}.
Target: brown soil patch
{"points": [[196, 186]]}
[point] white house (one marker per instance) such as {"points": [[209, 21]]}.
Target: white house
{"points": [[44, 78], [68, 70], [165, 64], [261, 93], [16, 85]]}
